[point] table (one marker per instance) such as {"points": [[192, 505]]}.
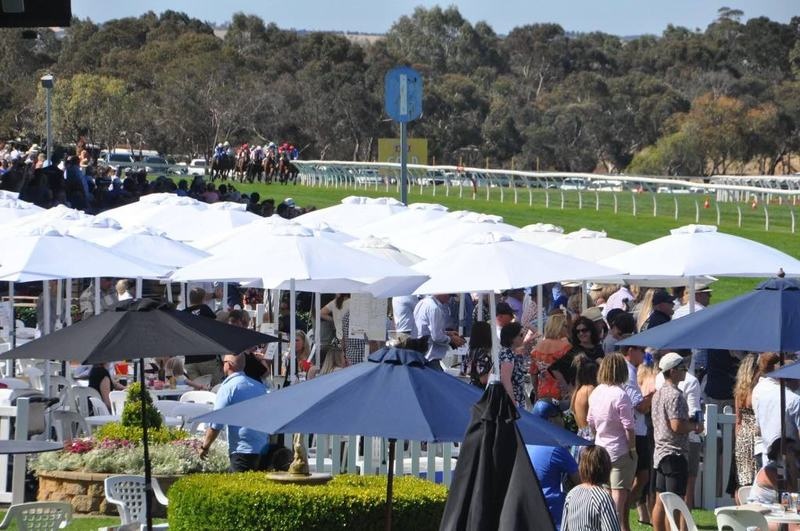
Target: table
{"points": [[772, 513], [178, 391], [28, 447]]}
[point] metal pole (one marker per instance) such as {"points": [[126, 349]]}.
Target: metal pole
{"points": [[292, 330], [49, 127], [403, 163]]}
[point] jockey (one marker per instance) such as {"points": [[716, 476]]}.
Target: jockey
{"points": [[258, 153], [219, 152], [294, 154], [229, 149]]}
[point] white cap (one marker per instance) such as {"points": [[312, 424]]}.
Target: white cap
{"points": [[670, 360]]}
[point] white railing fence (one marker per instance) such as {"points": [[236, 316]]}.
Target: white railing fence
{"points": [[12, 486], [761, 194]]}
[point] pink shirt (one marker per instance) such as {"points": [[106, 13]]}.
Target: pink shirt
{"points": [[610, 417]]}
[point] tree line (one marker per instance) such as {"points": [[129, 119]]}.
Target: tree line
{"points": [[688, 102]]}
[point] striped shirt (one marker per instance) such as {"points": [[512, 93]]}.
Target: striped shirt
{"points": [[589, 509]]}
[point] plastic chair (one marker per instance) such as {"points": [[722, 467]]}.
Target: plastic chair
{"points": [[81, 396], [199, 397], [38, 516], [740, 520], [743, 493], [204, 380], [117, 399], [127, 493], [15, 383], [672, 502], [69, 425]]}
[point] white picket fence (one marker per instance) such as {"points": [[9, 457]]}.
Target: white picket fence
{"points": [[336, 454], [13, 491], [717, 456]]}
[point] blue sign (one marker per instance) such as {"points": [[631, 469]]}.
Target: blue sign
{"points": [[403, 94]]}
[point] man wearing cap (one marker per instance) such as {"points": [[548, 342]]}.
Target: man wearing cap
{"points": [[702, 296], [663, 307], [671, 428]]}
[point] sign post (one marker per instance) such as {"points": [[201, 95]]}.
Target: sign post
{"points": [[403, 103]]}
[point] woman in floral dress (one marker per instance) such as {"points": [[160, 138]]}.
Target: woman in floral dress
{"points": [[512, 365]]}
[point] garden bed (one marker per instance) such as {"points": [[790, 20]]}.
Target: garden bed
{"points": [[86, 493]]}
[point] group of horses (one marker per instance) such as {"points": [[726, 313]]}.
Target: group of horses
{"points": [[245, 168]]}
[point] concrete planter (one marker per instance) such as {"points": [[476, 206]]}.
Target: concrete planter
{"points": [[86, 493]]}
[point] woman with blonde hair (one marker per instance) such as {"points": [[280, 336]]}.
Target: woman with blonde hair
{"points": [[335, 360], [610, 416], [746, 426], [551, 385], [644, 308]]}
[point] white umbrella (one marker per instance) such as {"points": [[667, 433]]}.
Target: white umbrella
{"points": [[417, 214], [146, 242], [383, 249], [696, 250], [492, 262], [55, 216], [210, 241], [539, 233], [588, 245], [312, 263], [147, 207], [449, 231], [5, 194], [44, 253], [12, 209], [354, 211]]}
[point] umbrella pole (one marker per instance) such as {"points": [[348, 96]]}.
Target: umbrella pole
{"points": [[317, 328], [292, 330], [782, 486], [169, 291], [97, 295], [495, 337], [139, 294], [691, 294], [148, 487], [540, 309], [13, 369], [461, 314], [68, 303], [389, 482]]}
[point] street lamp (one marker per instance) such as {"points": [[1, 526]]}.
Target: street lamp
{"points": [[47, 84]]}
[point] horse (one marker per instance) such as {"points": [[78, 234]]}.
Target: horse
{"points": [[242, 163], [270, 167], [220, 167], [286, 170]]}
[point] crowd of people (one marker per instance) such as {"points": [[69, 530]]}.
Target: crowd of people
{"points": [[640, 407], [80, 182]]}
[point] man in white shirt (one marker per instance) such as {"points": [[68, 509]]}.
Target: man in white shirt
{"points": [[619, 299], [702, 296], [430, 316], [767, 401], [634, 356]]}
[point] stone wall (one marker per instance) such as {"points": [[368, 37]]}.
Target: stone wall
{"points": [[86, 492]]}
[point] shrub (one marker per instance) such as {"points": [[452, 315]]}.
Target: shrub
{"points": [[119, 432], [251, 501], [132, 412]]}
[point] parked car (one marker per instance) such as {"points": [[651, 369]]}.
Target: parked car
{"points": [[573, 183], [153, 164], [116, 160], [197, 167]]}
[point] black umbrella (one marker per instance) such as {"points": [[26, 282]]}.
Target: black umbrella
{"points": [[494, 485], [140, 329]]}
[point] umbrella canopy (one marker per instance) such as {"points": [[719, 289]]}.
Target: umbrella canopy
{"points": [[588, 245], [56, 216], [494, 485], [139, 329], [539, 233], [144, 241], [13, 209], [44, 253], [382, 248], [696, 250], [393, 395], [291, 252], [492, 261], [354, 211], [766, 319], [449, 231], [417, 215]]}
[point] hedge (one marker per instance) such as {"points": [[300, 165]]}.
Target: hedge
{"points": [[250, 501]]}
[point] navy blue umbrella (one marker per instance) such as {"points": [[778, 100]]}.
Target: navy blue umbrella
{"points": [[764, 320], [392, 395]]}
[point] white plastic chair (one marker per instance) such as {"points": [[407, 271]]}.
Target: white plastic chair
{"points": [[672, 502], [743, 493], [99, 407], [740, 520], [127, 493], [117, 399], [81, 396], [199, 397], [38, 516], [15, 383], [69, 425]]}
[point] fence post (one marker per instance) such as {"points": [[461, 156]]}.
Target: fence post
{"points": [[633, 196], [515, 190], [546, 198], [696, 211], [766, 218], [791, 213], [655, 206], [530, 195], [562, 199], [580, 200], [615, 203], [675, 199], [597, 201], [710, 460], [488, 189], [20, 434], [739, 212]]}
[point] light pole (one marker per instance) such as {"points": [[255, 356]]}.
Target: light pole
{"points": [[47, 84]]}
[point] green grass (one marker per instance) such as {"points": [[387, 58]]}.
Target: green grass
{"points": [[87, 523], [622, 224], [703, 519]]}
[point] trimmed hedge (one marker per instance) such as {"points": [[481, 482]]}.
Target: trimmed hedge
{"points": [[250, 501]]}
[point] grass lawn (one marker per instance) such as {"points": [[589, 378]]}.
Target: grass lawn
{"points": [[622, 224], [703, 519]]}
